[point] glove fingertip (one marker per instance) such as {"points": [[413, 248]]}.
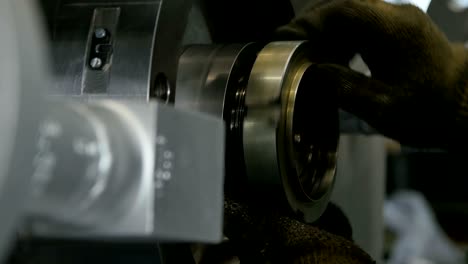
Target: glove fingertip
{"points": [[334, 221], [290, 32]]}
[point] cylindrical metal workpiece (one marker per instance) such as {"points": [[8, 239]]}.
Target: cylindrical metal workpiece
{"points": [[282, 132], [290, 129], [212, 79]]}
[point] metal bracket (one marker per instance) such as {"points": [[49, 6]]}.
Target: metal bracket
{"points": [[98, 61]]}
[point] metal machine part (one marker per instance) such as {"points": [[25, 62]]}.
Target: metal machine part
{"points": [[260, 93], [109, 48], [109, 60], [212, 79], [81, 181], [23, 76], [98, 169], [86, 153], [125, 170], [287, 136]]}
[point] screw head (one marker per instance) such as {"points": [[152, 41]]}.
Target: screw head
{"points": [[297, 138], [95, 63], [100, 33]]}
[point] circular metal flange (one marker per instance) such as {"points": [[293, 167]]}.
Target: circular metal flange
{"points": [[209, 75], [290, 132], [212, 79]]}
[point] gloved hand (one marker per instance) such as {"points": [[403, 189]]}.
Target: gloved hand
{"points": [[418, 92], [263, 234]]}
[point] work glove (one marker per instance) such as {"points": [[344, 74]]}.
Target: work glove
{"points": [[263, 234], [417, 92]]}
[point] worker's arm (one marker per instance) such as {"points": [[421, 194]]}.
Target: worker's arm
{"points": [[418, 90]]}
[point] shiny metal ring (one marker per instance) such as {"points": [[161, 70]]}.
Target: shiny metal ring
{"points": [[212, 79], [290, 133], [208, 75], [281, 133]]}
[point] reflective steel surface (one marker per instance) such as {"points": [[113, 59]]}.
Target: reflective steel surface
{"points": [[209, 75], [87, 152], [127, 71], [277, 143], [212, 79], [127, 171], [289, 138], [23, 75]]}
